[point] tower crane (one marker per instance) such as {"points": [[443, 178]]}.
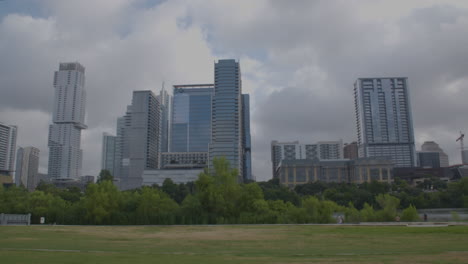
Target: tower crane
{"points": [[461, 140]]}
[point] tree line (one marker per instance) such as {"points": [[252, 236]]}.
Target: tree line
{"points": [[217, 198]]}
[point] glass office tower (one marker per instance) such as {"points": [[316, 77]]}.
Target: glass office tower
{"points": [[384, 121], [191, 118], [226, 137]]}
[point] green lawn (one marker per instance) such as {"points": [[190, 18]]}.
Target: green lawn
{"points": [[233, 244]]}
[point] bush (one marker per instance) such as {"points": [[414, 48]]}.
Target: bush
{"points": [[410, 214]]}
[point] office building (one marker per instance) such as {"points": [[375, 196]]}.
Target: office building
{"points": [[302, 171], [191, 118], [323, 150], [431, 146], [226, 136], [138, 139], [350, 151], [384, 121], [246, 140], [464, 156], [176, 160], [164, 103], [65, 154], [181, 175], [429, 160], [108, 156], [8, 136], [27, 165]]}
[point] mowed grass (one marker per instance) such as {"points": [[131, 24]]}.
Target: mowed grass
{"points": [[233, 244]]}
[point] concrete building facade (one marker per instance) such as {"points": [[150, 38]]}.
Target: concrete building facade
{"points": [[431, 146], [384, 120], [429, 159], [8, 135], [464, 154], [323, 150], [175, 160], [27, 166], [138, 139], [65, 154], [350, 151], [302, 171]]}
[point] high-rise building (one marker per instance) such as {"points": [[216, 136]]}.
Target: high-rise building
{"points": [[65, 154], [108, 156], [7, 149], [122, 152], [384, 121], [27, 165], [323, 150], [246, 141], [431, 146], [350, 151], [429, 159], [226, 136], [191, 118], [164, 103], [464, 154], [138, 139]]}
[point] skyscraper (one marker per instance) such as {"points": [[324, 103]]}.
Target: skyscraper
{"points": [[431, 146], [65, 155], [226, 136], [108, 157], [139, 139], [164, 102], [191, 118], [7, 149], [27, 165], [384, 121], [246, 142]]}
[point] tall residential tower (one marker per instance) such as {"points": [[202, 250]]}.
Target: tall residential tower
{"points": [[384, 121], [65, 155], [27, 165], [138, 139], [7, 149]]}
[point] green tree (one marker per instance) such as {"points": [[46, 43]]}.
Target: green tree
{"points": [[105, 175], [389, 205], [410, 214], [101, 202]]}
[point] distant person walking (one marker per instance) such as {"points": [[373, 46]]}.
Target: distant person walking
{"points": [[425, 217]]}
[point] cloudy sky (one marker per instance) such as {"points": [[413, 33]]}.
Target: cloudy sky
{"points": [[299, 60]]}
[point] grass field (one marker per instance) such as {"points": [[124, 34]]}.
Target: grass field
{"points": [[233, 244]]}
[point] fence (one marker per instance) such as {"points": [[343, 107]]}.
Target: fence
{"points": [[15, 219]]}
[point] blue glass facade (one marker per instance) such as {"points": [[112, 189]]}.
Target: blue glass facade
{"points": [[191, 118], [227, 116]]}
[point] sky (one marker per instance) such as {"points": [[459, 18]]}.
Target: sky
{"points": [[299, 61]]}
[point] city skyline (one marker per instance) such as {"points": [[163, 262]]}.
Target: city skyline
{"points": [[299, 77]]}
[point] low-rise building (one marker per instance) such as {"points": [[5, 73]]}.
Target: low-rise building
{"points": [[301, 171], [151, 177]]}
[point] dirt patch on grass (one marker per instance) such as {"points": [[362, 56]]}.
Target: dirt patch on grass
{"points": [[214, 233], [171, 232]]}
